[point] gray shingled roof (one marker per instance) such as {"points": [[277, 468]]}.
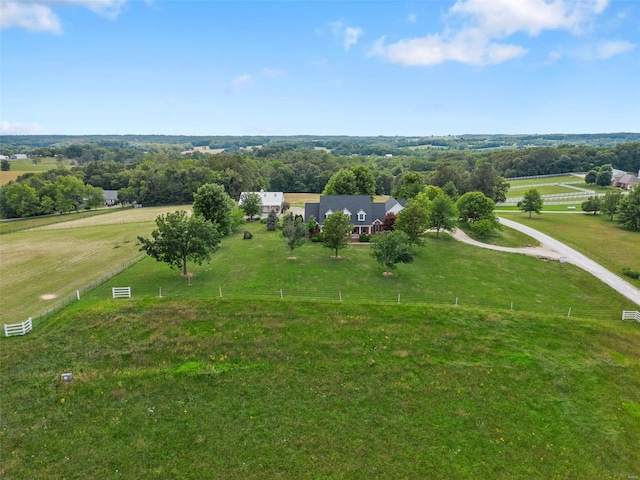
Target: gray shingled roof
{"points": [[354, 204]]}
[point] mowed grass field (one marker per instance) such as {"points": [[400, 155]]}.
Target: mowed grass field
{"points": [[252, 385], [599, 238], [42, 261], [236, 389]]}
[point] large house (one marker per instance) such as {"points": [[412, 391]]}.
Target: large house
{"points": [[624, 180], [366, 216], [268, 200]]}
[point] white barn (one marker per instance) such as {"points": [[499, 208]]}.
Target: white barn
{"points": [[268, 200]]}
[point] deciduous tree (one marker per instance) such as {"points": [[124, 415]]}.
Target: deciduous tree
{"points": [[335, 231], [592, 204], [532, 202], [629, 209], [294, 232], [391, 248], [179, 238], [212, 202], [413, 220], [472, 206], [442, 214], [610, 203], [343, 182], [251, 203]]}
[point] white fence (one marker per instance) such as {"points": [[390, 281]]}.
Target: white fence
{"points": [[23, 328], [631, 315], [121, 292]]}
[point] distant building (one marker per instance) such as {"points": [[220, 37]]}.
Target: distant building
{"points": [[19, 156], [110, 197], [268, 200], [625, 180]]}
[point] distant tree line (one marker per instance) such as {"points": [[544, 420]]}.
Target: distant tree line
{"points": [[164, 175]]}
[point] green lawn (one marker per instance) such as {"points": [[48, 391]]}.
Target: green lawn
{"points": [[224, 389], [443, 271], [544, 180], [597, 237]]}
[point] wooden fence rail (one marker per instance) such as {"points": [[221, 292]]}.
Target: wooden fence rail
{"points": [[23, 328], [631, 315]]}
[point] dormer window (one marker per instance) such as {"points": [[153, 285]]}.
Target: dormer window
{"points": [[362, 216], [346, 212], [327, 213]]}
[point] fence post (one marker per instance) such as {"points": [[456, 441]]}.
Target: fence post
{"points": [[160, 292], [398, 298], [281, 294], [220, 289], [340, 295], [569, 314], [78, 294]]}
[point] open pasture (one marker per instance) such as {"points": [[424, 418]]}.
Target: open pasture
{"points": [[42, 264], [18, 167], [210, 388], [530, 182]]}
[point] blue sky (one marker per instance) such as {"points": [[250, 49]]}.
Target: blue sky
{"points": [[319, 67]]}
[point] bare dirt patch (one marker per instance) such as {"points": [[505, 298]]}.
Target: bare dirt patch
{"points": [[48, 296]]}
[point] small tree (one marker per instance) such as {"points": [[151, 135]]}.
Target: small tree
{"points": [[532, 202], [272, 221], [294, 232], [179, 238], [629, 209], [251, 203], [5, 165], [610, 203], [391, 248], [93, 197], [590, 177], [603, 178], [592, 204], [388, 224], [335, 231], [442, 214], [312, 226]]}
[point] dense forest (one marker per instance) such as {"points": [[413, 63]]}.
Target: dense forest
{"points": [[167, 169]]}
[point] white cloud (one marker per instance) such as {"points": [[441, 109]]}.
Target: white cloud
{"points": [[39, 16], [609, 49], [351, 35], [348, 35], [272, 72], [477, 28], [412, 18], [239, 83], [15, 128], [30, 16]]}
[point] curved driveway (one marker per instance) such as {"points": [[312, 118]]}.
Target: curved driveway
{"points": [[553, 249]]}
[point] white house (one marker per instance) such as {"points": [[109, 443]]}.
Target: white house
{"points": [[268, 200]]}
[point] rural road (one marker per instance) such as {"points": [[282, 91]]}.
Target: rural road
{"points": [[555, 250]]}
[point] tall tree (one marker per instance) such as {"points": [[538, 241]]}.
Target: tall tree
{"points": [[213, 203], [532, 202], [335, 231], [442, 214], [294, 232], [413, 220], [22, 199], [93, 197], [343, 182], [179, 238], [603, 178], [408, 185], [610, 203], [629, 210], [69, 193], [485, 179], [391, 248], [251, 203], [365, 181]]}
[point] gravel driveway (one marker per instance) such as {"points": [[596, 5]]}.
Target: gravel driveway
{"points": [[552, 249]]}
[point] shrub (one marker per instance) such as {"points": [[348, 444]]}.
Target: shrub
{"points": [[631, 273], [364, 237]]}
